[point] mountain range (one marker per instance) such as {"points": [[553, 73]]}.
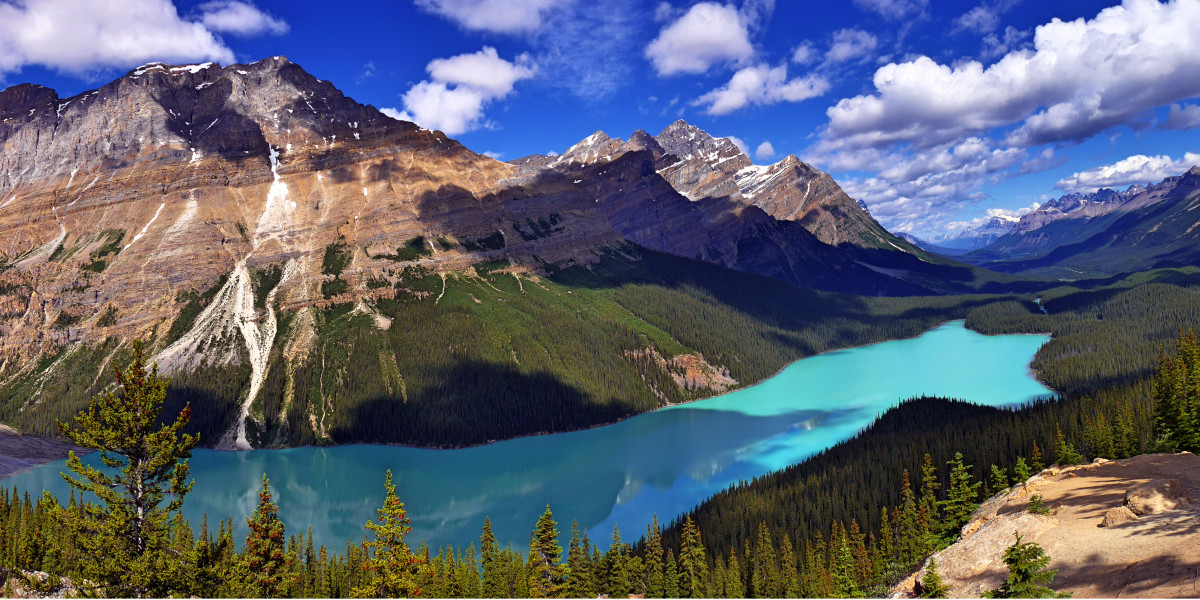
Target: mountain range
{"points": [[309, 270], [1105, 232], [266, 234]]}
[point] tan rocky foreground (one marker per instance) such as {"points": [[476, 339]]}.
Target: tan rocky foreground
{"points": [[1155, 554]]}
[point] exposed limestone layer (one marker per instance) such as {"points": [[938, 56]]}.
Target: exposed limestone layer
{"points": [[1156, 555]]}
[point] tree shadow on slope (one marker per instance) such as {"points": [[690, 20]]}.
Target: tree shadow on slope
{"points": [[475, 402]]}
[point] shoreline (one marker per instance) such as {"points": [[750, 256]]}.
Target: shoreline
{"points": [[19, 453], [4, 455]]}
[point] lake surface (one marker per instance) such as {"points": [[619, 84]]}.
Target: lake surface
{"points": [[663, 462]]}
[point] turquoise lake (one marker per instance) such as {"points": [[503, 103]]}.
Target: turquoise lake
{"points": [[663, 462]]}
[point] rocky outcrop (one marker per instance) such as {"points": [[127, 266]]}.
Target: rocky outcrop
{"points": [[1156, 496], [1100, 548]]}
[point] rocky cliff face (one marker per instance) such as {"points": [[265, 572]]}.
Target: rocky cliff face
{"points": [[122, 203]]}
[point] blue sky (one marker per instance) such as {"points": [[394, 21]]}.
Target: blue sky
{"points": [[936, 114]]}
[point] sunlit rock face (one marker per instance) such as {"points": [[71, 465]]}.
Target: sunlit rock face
{"points": [[118, 203]]}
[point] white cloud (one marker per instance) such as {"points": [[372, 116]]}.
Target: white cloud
{"points": [[804, 53], [707, 34], [393, 112], [1081, 78], [239, 18], [484, 71], [461, 87], [998, 45], [78, 37], [850, 44], [921, 189], [496, 16], [981, 19], [493, 155], [1182, 117], [1138, 168], [761, 85], [894, 9], [741, 145], [765, 151]]}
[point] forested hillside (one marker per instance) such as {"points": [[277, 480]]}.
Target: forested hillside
{"points": [[496, 352]]}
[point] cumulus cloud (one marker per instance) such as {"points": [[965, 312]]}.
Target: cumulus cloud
{"points": [[1082, 77], [761, 85], [707, 34], [1182, 117], [920, 189], [78, 37], [765, 151], [1138, 168], [894, 9], [459, 90], [239, 18], [984, 18], [850, 44], [496, 16]]}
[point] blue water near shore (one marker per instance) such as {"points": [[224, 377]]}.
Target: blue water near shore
{"points": [[663, 462]]}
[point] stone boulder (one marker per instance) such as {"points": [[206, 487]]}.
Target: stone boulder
{"points": [[1156, 496], [1118, 515]]}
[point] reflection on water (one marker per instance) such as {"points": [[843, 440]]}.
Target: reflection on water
{"points": [[661, 463]]}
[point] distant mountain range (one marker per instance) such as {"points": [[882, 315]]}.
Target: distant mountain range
{"points": [[964, 240], [1104, 232]]}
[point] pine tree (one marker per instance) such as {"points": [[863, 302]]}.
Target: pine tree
{"points": [[1028, 576], [1065, 453], [494, 585], [764, 574], [390, 567], [961, 498], [932, 585], [998, 481], [1035, 459], [928, 516], [789, 581], [125, 542], [264, 560], [653, 561], [546, 575], [1021, 470], [671, 576], [617, 580], [693, 564], [912, 544], [579, 570]]}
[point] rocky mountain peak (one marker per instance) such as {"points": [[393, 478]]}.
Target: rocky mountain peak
{"points": [[687, 141]]}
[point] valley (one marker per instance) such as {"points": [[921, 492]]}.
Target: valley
{"points": [[637, 331]]}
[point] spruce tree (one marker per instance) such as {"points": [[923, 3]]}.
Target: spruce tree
{"points": [[693, 564], [998, 480], [1021, 470], [493, 580], [789, 580], [390, 567], [1064, 453], [546, 575], [579, 569], [764, 574], [653, 562], [264, 564], [1028, 576], [932, 585], [912, 544], [961, 498], [671, 576], [124, 542], [1035, 459]]}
